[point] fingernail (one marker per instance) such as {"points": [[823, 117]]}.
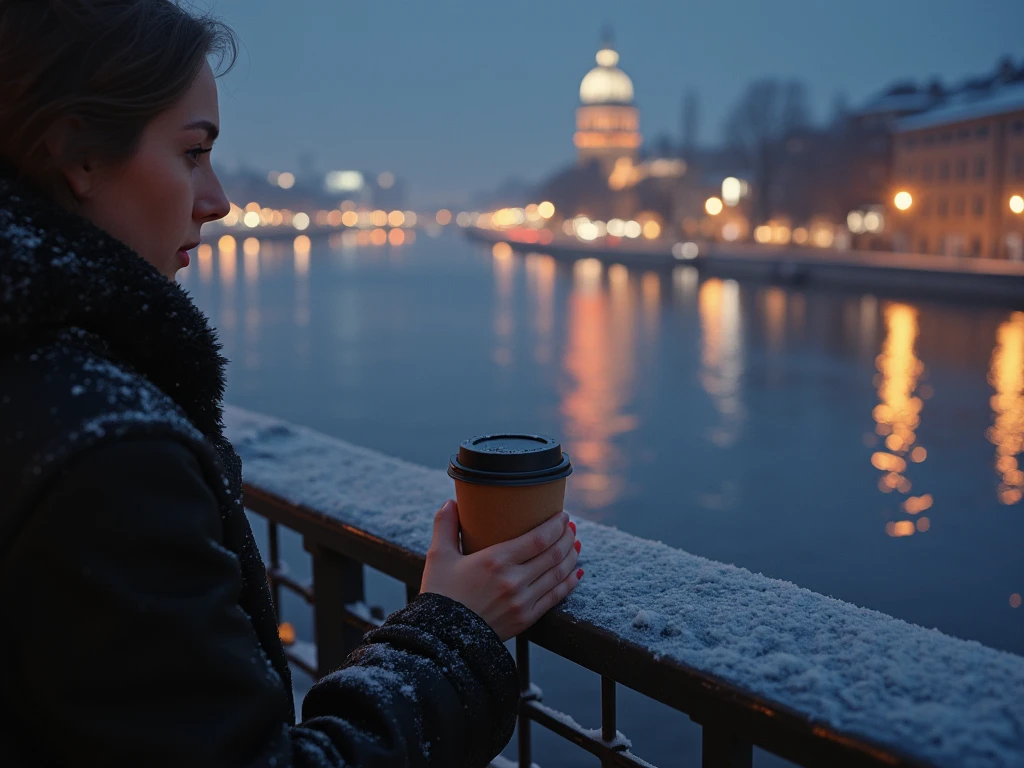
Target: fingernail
{"points": [[579, 574], [579, 545], [573, 526]]}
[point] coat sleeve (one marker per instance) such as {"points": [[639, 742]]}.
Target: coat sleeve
{"points": [[132, 648]]}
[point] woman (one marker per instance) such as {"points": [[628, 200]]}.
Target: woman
{"points": [[140, 626]]}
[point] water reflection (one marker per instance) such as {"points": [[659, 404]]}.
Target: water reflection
{"points": [[227, 265], [684, 282], [251, 266], [774, 300], [504, 266], [898, 416], [540, 275], [600, 359], [205, 257], [1006, 376], [651, 290], [721, 368]]}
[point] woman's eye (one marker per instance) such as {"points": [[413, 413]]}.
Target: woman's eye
{"points": [[196, 153]]}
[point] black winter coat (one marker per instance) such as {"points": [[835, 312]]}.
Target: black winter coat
{"points": [[138, 625]]}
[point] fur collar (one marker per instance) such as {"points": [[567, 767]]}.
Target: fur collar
{"points": [[58, 272]]}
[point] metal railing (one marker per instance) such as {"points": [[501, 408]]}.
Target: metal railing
{"points": [[733, 720]]}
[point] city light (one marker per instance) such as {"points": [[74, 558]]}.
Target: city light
{"points": [[763, 234], [616, 228], [800, 235], [873, 221], [350, 218], [1017, 204], [730, 231], [301, 221], [396, 219], [903, 200], [444, 217], [587, 230], [632, 229], [652, 229], [463, 219], [685, 250], [380, 218], [855, 222], [546, 210], [713, 206], [286, 180], [252, 219], [386, 180], [732, 191], [343, 181]]}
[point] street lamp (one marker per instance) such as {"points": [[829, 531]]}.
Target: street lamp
{"points": [[903, 200], [1017, 204]]}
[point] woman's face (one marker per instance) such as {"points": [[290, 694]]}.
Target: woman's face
{"points": [[159, 199]]}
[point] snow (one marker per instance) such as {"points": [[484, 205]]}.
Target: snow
{"points": [[968, 106], [936, 698]]}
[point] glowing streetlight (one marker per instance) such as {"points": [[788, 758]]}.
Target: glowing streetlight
{"points": [[903, 200], [732, 191], [1017, 204], [713, 206], [546, 210]]}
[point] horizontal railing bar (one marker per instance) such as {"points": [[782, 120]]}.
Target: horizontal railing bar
{"points": [[279, 576], [548, 717], [347, 540], [705, 699]]}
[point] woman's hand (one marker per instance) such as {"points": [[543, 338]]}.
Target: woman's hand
{"points": [[510, 585]]}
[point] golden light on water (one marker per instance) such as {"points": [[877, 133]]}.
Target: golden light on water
{"points": [[1006, 375], [721, 370], [502, 251], [898, 414], [205, 256], [396, 236]]}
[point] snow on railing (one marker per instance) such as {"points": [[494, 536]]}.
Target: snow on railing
{"points": [[917, 693]]}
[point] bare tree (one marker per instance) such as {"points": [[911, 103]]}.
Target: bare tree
{"points": [[690, 123], [757, 129]]}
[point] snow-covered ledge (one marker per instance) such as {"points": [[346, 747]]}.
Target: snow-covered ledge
{"points": [[926, 695]]}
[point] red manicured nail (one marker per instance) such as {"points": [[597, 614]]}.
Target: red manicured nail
{"points": [[578, 544], [579, 574], [573, 526]]}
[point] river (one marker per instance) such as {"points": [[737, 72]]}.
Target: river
{"points": [[863, 448]]}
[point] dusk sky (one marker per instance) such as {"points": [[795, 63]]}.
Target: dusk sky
{"points": [[457, 96]]}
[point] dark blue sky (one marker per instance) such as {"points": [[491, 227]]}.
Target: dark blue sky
{"points": [[456, 96]]}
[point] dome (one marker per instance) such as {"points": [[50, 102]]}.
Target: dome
{"points": [[606, 83]]}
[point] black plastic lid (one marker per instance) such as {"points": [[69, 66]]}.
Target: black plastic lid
{"points": [[510, 459]]}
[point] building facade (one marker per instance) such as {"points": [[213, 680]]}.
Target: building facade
{"points": [[960, 167], [607, 122]]}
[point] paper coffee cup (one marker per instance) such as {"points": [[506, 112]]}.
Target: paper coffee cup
{"points": [[507, 484]]}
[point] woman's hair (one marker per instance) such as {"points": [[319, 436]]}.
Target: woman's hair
{"points": [[106, 67]]}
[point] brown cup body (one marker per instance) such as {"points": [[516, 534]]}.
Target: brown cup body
{"points": [[490, 514]]}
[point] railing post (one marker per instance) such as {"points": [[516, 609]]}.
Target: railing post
{"points": [[275, 565], [337, 581], [608, 726], [721, 749], [523, 667]]}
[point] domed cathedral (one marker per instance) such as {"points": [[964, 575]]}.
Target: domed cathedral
{"points": [[607, 123]]}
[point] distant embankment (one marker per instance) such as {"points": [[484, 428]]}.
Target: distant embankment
{"points": [[875, 271]]}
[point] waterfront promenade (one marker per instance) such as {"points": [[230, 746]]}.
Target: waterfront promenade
{"points": [[876, 271]]}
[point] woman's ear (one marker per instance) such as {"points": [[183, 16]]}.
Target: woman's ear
{"points": [[78, 173]]}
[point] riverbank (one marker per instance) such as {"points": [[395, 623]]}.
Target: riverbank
{"points": [[874, 271]]}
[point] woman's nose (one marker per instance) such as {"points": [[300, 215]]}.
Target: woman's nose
{"points": [[212, 203]]}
